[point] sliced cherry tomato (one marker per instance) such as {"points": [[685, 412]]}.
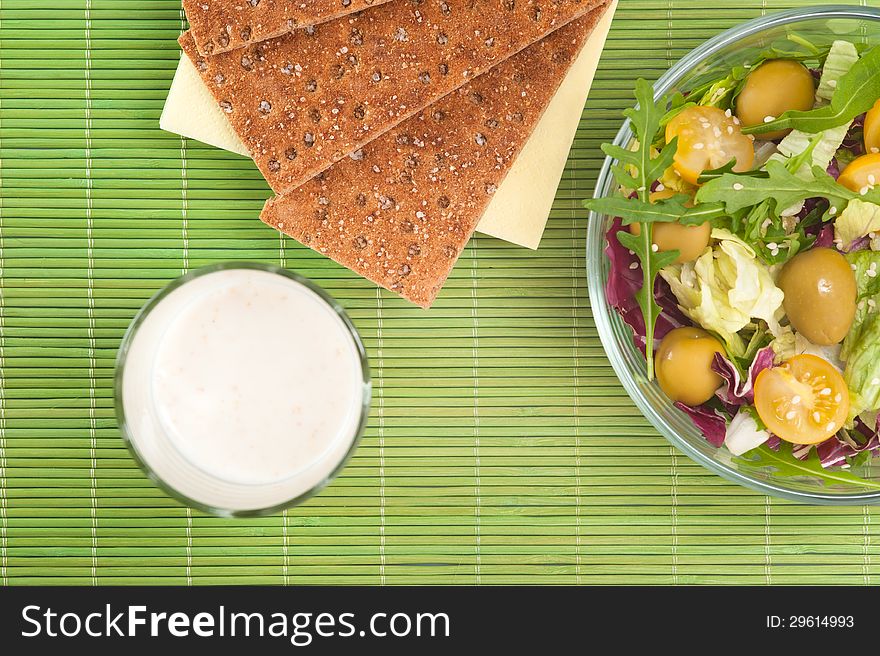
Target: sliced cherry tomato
{"points": [[708, 139], [803, 401], [862, 174], [872, 129]]}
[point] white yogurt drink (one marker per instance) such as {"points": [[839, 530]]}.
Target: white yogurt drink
{"points": [[242, 389]]}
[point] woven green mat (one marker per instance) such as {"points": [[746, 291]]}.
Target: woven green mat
{"points": [[501, 447]]}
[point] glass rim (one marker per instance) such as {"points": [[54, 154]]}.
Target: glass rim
{"points": [[154, 301], [602, 312]]}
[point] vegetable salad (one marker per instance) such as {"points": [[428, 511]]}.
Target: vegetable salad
{"points": [[745, 254]]}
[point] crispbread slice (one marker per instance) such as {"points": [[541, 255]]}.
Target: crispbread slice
{"points": [[402, 208], [303, 101], [222, 25]]}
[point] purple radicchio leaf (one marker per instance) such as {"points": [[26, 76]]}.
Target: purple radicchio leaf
{"points": [[859, 244], [853, 141], [737, 391], [833, 168], [835, 451], [837, 448], [825, 236], [625, 280], [708, 421]]}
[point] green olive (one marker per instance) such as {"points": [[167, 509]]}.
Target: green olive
{"points": [[684, 365], [820, 295], [690, 241], [772, 89]]}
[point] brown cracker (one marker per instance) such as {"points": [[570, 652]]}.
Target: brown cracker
{"points": [[222, 25], [304, 101], [402, 209]]}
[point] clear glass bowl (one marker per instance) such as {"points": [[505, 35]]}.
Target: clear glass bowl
{"points": [[821, 25]]}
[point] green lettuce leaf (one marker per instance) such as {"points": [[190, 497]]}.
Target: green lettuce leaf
{"points": [[824, 147], [861, 347], [859, 219], [725, 289], [840, 60]]}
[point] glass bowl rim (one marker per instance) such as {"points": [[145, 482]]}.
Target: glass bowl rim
{"points": [[602, 312], [151, 304]]}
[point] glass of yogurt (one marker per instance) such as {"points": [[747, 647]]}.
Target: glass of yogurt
{"points": [[242, 388]]}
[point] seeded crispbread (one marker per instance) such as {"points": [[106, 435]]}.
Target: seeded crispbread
{"points": [[222, 25], [304, 101], [402, 208]]}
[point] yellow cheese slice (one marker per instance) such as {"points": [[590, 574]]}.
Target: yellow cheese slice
{"points": [[520, 207]]}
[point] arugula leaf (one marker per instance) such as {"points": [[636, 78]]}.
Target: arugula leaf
{"points": [[651, 265], [711, 174], [855, 94], [783, 464], [676, 208], [638, 169], [780, 185]]}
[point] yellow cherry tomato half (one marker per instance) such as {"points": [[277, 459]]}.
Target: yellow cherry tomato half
{"points": [[803, 401], [872, 129], [862, 174], [707, 139]]}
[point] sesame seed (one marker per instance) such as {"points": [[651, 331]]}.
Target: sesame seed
{"points": [[769, 119], [655, 247], [773, 246], [832, 211], [736, 120], [737, 186], [634, 265], [875, 149], [864, 190], [871, 273], [832, 83], [728, 113], [875, 381], [872, 180]]}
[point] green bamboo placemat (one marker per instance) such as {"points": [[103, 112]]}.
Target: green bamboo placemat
{"points": [[501, 447]]}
